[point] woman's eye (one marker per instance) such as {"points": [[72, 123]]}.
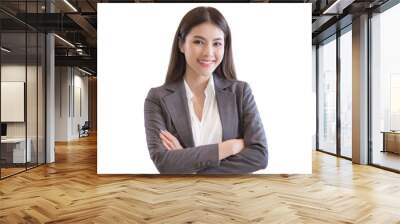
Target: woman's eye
{"points": [[198, 42], [217, 44]]}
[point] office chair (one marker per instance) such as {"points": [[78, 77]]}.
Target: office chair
{"points": [[84, 130]]}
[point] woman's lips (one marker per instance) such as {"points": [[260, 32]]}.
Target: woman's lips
{"points": [[206, 63]]}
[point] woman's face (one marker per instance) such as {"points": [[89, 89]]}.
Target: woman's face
{"points": [[203, 49]]}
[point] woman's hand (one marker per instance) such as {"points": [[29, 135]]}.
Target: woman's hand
{"points": [[169, 141], [230, 147]]}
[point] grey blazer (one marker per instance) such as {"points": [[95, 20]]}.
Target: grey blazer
{"points": [[166, 108]]}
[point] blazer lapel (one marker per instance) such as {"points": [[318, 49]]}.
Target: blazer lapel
{"points": [[227, 108], [177, 106]]}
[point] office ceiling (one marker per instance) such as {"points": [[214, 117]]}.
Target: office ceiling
{"points": [[76, 22]]}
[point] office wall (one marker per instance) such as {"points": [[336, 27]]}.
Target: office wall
{"points": [[15, 72], [71, 102], [80, 110], [62, 78]]}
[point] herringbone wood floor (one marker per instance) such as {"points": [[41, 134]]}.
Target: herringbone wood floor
{"points": [[70, 191]]}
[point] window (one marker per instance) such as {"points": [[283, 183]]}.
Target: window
{"points": [[327, 96], [385, 88], [346, 93]]}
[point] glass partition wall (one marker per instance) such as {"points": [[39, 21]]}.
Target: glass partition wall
{"points": [[13, 109], [335, 90], [327, 95], [334, 59], [22, 88], [385, 89], [345, 61]]}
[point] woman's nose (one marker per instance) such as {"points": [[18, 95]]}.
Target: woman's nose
{"points": [[207, 50]]}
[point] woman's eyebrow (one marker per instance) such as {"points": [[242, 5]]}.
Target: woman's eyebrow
{"points": [[200, 37]]}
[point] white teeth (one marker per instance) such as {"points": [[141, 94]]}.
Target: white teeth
{"points": [[205, 62]]}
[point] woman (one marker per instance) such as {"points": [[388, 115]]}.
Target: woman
{"points": [[202, 120]]}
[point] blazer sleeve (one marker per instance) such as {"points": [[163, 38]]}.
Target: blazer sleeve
{"points": [[255, 154], [185, 161]]}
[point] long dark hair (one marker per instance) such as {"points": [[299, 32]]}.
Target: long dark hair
{"points": [[196, 16]]}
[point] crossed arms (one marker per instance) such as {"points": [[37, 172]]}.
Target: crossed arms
{"points": [[234, 156]]}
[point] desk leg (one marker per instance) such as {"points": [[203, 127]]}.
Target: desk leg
{"points": [[384, 143]]}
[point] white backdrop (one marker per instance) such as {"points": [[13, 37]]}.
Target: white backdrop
{"points": [[271, 50]]}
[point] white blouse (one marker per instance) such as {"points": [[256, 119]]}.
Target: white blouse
{"points": [[209, 129]]}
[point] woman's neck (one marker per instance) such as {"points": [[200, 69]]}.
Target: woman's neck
{"points": [[196, 82]]}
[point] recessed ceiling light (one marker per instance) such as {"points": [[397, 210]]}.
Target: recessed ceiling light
{"points": [[70, 5], [5, 50], [84, 71], [64, 40]]}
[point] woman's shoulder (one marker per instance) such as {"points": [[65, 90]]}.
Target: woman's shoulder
{"points": [[225, 83], [239, 83], [237, 86], [163, 90], [157, 92]]}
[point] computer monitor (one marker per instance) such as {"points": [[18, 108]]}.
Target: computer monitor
{"points": [[3, 129]]}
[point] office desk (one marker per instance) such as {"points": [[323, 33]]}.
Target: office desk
{"points": [[13, 150], [391, 141]]}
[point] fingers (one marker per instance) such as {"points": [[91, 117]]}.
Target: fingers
{"points": [[165, 145], [172, 139], [169, 141], [169, 135], [166, 142]]}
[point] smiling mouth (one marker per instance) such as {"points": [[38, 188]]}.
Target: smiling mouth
{"points": [[206, 63]]}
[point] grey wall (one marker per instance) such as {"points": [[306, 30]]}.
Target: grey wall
{"points": [[71, 102]]}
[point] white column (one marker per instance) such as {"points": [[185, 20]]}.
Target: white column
{"points": [[360, 90], [50, 93]]}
